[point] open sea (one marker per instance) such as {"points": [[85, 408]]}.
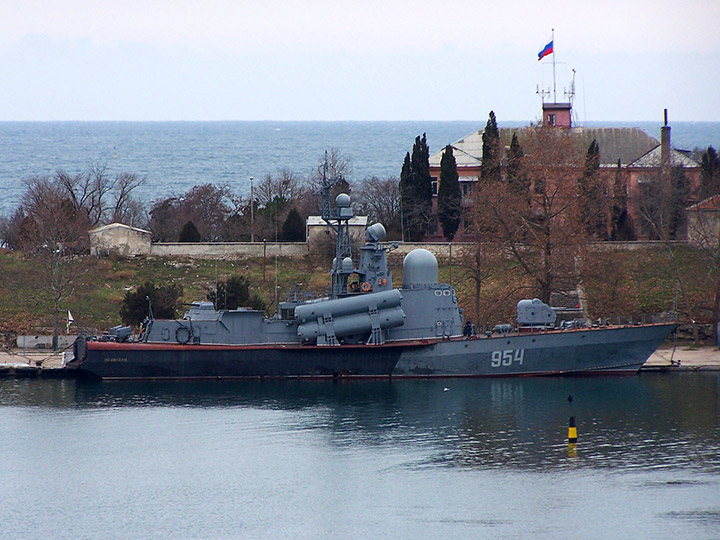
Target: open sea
{"points": [[464, 459], [175, 156]]}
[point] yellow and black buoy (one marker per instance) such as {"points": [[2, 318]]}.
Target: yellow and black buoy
{"points": [[572, 438], [572, 431]]}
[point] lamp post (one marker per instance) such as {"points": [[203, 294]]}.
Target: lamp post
{"points": [[252, 211]]}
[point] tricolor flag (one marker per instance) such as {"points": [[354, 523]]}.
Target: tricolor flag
{"points": [[546, 50]]}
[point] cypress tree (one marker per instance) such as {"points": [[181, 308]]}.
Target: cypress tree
{"points": [[416, 191], [234, 293], [517, 181], [679, 200], [164, 300], [293, 229], [406, 194], [449, 195], [422, 181], [592, 194], [709, 174], [592, 159], [189, 233], [491, 151], [621, 223]]}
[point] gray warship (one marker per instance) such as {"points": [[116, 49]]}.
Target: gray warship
{"points": [[364, 328]]}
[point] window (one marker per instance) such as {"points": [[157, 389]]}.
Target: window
{"points": [[434, 185]]}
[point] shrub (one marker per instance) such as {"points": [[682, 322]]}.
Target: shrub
{"points": [[164, 300]]}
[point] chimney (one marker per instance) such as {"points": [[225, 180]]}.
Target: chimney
{"points": [[665, 142]]}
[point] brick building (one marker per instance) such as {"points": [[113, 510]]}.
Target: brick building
{"points": [[641, 157]]}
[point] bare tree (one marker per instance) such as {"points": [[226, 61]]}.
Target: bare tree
{"points": [[661, 220], [52, 232], [333, 164], [607, 279], [338, 165], [52, 218], [379, 199], [125, 207], [480, 263], [284, 185], [545, 235], [87, 191], [165, 219], [207, 206], [704, 232]]}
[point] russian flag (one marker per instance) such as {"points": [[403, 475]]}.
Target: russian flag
{"points": [[546, 50]]}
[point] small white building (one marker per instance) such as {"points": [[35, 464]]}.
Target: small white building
{"points": [[122, 240], [316, 230]]}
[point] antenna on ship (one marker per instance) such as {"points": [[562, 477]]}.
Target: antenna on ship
{"points": [[338, 218]]}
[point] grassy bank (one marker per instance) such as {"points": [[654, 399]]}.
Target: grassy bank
{"points": [[627, 284]]}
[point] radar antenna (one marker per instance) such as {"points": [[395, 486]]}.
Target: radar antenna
{"points": [[337, 216]]}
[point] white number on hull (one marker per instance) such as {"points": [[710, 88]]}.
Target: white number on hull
{"points": [[506, 358]]}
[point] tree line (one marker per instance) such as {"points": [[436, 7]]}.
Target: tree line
{"points": [[59, 210]]}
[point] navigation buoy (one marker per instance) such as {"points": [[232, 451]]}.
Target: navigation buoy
{"points": [[572, 431]]}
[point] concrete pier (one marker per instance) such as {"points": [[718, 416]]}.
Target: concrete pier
{"points": [[16, 363], [683, 357]]}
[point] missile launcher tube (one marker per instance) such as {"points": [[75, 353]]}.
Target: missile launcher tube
{"points": [[349, 305], [353, 324]]}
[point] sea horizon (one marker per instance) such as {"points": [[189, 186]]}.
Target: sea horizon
{"points": [[175, 155]]}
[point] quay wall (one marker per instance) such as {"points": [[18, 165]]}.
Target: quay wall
{"points": [[224, 250]]}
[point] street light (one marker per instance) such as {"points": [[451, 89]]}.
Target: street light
{"points": [[252, 211]]}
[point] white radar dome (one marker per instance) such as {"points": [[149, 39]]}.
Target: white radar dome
{"points": [[420, 267], [342, 200]]}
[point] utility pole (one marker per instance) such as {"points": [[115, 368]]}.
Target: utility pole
{"points": [[252, 211]]}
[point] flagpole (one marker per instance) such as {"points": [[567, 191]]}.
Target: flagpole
{"points": [[554, 87]]}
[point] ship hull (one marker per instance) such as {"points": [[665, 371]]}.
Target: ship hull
{"points": [[617, 350], [120, 361], [621, 350]]}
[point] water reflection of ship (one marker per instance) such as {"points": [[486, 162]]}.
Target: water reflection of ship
{"points": [[657, 420]]}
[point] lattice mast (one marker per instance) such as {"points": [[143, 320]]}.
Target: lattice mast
{"points": [[337, 216]]}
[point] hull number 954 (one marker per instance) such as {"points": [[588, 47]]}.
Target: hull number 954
{"points": [[507, 358]]}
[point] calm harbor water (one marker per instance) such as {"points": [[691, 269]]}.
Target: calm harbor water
{"points": [[402, 459]]}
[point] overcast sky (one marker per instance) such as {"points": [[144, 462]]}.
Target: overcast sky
{"points": [[355, 60]]}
